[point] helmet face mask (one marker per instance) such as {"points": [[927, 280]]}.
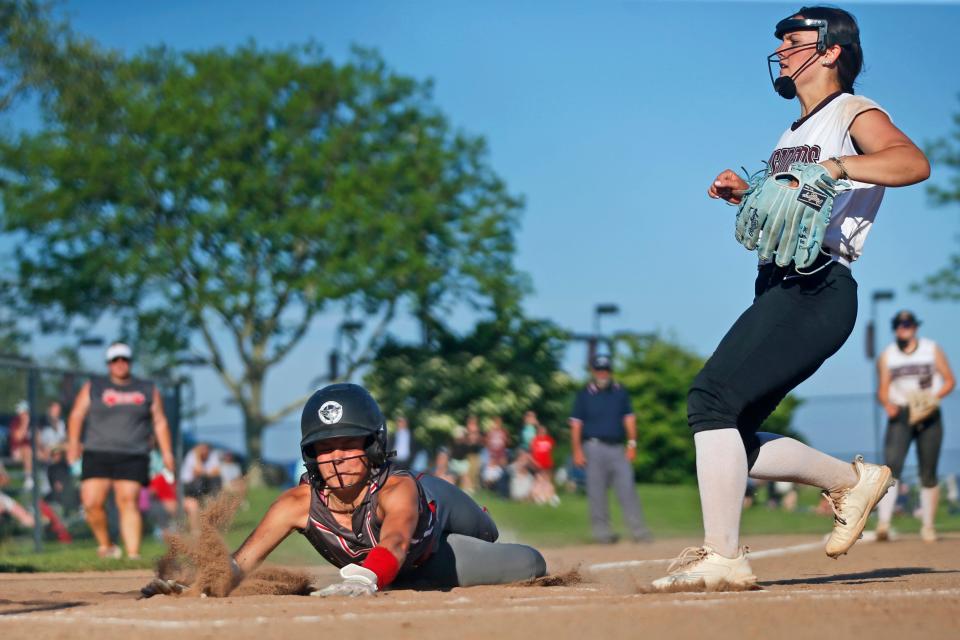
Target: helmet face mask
{"points": [[342, 476], [786, 86]]}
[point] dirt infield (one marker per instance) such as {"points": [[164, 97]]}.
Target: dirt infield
{"points": [[903, 589]]}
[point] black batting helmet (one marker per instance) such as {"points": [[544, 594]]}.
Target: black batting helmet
{"points": [[343, 411]]}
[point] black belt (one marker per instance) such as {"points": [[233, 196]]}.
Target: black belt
{"points": [[771, 274]]}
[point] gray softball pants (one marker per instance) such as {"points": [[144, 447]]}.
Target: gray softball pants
{"points": [[928, 436], [467, 553], [608, 466]]}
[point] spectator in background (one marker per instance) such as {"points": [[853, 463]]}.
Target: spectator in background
{"points": [[63, 487], [20, 449], [163, 491], [54, 432], [521, 477], [200, 474], [402, 444], [459, 465], [529, 430], [601, 420], [474, 447], [782, 495], [27, 519], [119, 411], [441, 466], [231, 473], [11, 506], [953, 494], [497, 440], [541, 450]]}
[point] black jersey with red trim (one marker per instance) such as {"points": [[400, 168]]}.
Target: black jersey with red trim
{"points": [[341, 546]]}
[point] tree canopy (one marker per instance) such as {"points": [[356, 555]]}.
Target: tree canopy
{"points": [[945, 152], [502, 367], [242, 193]]}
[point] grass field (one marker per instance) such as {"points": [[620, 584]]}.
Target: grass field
{"points": [[671, 511]]}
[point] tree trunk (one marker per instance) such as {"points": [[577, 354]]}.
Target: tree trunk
{"points": [[254, 422], [253, 426]]}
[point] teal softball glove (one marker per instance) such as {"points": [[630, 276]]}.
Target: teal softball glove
{"points": [[785, 214]]}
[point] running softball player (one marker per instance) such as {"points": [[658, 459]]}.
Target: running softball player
{"points": [[799, 316], [380, 525]]}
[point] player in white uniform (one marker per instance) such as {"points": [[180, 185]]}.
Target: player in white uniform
{"points": [[908, 366], [797, 320]]}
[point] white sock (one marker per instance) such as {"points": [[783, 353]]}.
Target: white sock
{"points": [[786, 459], [929, 496], [722, 477], [887, 504]]}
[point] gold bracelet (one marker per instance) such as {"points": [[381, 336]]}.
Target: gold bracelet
{"points": [[843, 170]]}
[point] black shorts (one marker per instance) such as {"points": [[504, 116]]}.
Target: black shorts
{"points": [[116, 466]]}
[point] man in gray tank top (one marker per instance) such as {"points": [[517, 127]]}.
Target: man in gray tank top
{"points": [[115, 415]]}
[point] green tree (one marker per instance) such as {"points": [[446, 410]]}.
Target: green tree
{"points": [[40, 57], [503, 367], [945, 152], [658, 373], [242, 193]]}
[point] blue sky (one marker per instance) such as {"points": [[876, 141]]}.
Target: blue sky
{"points": [[611, 118]]}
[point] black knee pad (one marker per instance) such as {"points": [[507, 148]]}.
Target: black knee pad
{"points": [[928, 479], [708, 405]]}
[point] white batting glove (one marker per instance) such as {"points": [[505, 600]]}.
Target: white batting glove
{"points": [[357, 581]]}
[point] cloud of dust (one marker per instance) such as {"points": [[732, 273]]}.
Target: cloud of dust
{"points": [[202, 559]]}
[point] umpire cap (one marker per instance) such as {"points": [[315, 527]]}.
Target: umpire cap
{"points": [[601, 363]]}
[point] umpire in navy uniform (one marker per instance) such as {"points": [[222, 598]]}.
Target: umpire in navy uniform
{"points": [[603, 432]]}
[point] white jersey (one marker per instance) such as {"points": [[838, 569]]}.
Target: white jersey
{"points": [[821, 135], [912, 371]]}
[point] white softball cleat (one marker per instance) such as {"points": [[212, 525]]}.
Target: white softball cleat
{"points": [[698, 568], [852, 506]]}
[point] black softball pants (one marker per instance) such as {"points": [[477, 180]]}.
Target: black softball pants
{"points": [[928, 436], [794, 324]]}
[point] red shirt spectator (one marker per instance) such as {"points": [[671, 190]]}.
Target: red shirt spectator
{"points": [[541, 448], [497, 441]]}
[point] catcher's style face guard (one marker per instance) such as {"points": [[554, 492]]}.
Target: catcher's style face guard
{"points": [[339, 475], [314, 450], [786, 86]]}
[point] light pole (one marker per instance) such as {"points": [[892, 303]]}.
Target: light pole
{"points": [[607, 309], [350, 329], [878, 296]]}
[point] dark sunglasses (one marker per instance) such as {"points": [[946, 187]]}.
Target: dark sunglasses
{"points": [[120, 358], [905, 323]]}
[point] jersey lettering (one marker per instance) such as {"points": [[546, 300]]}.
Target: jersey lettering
{"points": [[781, 159]]}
